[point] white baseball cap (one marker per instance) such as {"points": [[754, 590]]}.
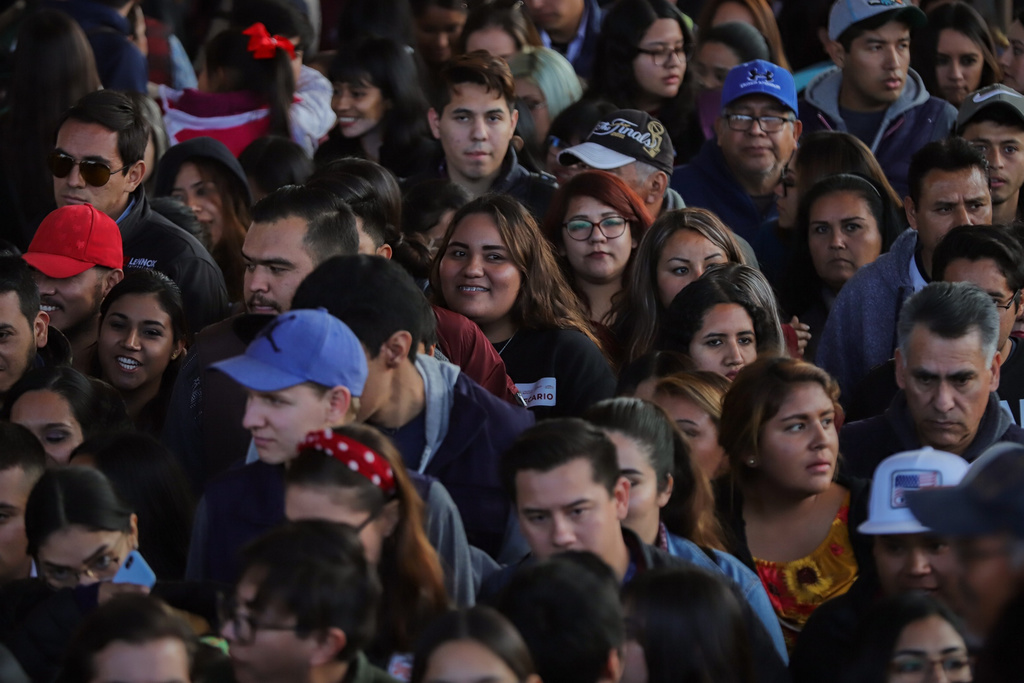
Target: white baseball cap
{"points": [[900, 474]]}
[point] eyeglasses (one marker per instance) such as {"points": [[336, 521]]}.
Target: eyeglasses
{"points": [[581, 230], [662, 55], [769, 124], [1008, 304], [243, 626], [95, 173], [956, 667], [102, 568], [787, 180]]}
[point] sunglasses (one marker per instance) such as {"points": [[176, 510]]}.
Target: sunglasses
{"points": [[95, 173]]}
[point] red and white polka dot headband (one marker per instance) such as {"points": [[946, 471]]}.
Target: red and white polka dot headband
{"points": [[357, 456]]}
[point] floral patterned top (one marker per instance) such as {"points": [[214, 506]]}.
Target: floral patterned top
{"points": [[796, 588]]}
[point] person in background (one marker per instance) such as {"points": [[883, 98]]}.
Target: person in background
{"points": [[22, 463], [955, 54], [873, 93], [546, 85], [571, 27], [62, 407], [569, 129], [98, 158], [474, 118], [502, 29], [271, 162], [119, 61], [904, 636], [303, 608], [76, 258], [641, 63], [793, 521], [908, 558], [757, 13], [719, 49], [205, 176], [992, 120], [694, 401], [477, 642], [1012, 58], [756, 132], [438, 26]]}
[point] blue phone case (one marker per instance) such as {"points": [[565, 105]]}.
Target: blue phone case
{"points": [[135, 571]]}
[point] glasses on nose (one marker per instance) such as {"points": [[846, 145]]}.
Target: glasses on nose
{"points": [[1006, 306], [917, 668], [581, 230], [95, 173], [769, 124], [663, 55], [243, 626], [101, 568]]}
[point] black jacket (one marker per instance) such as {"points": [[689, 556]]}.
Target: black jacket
{"points": [[151, 241]]}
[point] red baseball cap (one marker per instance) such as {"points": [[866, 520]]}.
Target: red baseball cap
{"points": [[73, 239]]}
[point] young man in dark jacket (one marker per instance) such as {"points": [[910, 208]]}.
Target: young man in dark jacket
{"points": [[874, 94]]}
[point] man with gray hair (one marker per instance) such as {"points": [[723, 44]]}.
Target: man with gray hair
{"points": [[947, 368]]}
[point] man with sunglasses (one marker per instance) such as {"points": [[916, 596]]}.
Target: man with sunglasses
{"points": [[98, 159], [304, 608], [735, 173]]}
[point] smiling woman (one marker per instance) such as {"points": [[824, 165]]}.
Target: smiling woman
{"points": [[143, 336]]}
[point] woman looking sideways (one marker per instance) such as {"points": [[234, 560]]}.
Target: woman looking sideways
{"points": [[694, 401], [675, 251], [791, 519], [595, 222], [142, 342], [955, 53], [496, 268]]}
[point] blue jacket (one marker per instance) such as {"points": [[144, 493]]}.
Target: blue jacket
{"points": [[121, 65], [745, 579], [707, 182], [860, 331], [866, 443], [911, 122]]}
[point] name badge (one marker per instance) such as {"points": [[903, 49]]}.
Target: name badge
{"points": [[543, 392]]}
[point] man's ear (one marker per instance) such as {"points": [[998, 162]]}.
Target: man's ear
{"points": [[112, 277], [798, 128], [514, 115], [620, 494], [385, 251], [41, 328], [339, 399], [613, 668], [720, 129], [911, 210], [835, 51], [901, 369], [996, 364], [434, 119], [656, 184], [329, 643], [135, 175], [396, 348]]}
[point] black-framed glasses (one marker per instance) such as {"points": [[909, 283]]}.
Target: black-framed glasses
{"points": [[243, 626], [956, 667], [95, 173], [661, 56], [769, 124], [1008, 304], [581, 229], [787, 179]]}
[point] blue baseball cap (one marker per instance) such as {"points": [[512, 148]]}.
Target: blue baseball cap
{"points": [[846, 13], [759, 77], [309, 345]]}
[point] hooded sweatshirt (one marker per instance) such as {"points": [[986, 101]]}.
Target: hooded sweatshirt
{"points": [[911, 122]]}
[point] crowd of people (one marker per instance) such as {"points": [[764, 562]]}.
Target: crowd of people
{"points": [[563, 341]]}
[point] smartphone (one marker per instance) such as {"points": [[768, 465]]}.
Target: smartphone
{"points": [[135, 571]]}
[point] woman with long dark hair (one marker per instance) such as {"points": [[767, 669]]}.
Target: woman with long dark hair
{"points": [[381, 108], [641, 62], [142, 342], [955, 53], [496, 268]]}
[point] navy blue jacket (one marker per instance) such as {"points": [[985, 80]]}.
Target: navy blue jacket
{"points": [[707, 182], [121, 65]]}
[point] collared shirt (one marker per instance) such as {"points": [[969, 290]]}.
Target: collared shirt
{"points": [[572, 51], [127, 211]]}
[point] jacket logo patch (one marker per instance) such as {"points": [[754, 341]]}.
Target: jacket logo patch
{"points": [[139, 262]]}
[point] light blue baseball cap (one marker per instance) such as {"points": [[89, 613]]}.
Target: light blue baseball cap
{"points": [[846, 13], [309, 345]]}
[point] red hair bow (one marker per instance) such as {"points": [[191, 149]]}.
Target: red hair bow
{"points": [[357, 456], [262, 45]]}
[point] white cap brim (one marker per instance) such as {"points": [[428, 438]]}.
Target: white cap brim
{"points": [[594, 155]]}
